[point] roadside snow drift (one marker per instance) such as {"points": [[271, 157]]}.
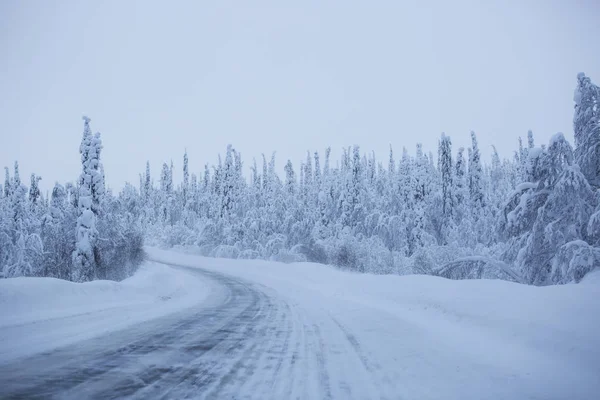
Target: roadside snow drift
{"points": [[40, 314]]}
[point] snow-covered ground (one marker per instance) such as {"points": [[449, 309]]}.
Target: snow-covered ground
{"points": [[421, 337], [41, 314], [304, 330]]}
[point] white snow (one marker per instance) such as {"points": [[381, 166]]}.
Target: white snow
{"points": [[425, 337], [40, 314], [535, 152], [524, 186], [557, 137], [350, 335], [592, 278]]}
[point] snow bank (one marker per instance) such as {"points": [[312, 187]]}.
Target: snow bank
{"points": [[572, 309], [39, 314]]}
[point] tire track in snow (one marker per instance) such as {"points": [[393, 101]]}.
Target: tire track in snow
{"points": [[369, 368], [251, 351], [324, 379], [355, 345]]}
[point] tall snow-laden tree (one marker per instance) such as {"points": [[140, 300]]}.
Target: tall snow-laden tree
{"points": [[460, 177], [141, 187], [206, 177], [194, 192], [391, 163], [530, 141], [24, 242], [147, 184], [34, 190], [496, 168], [350, 199], [522, 158], [17, 176], [308, 178], [317, 171], [264, 173], [586, 123], [57, 235], [18, 204], [475, 174], [446, 175], [165, 192], [326, 166], [97, 174], [84, 256], [546, 218], [186, 179], [290, 178], [229, 184], [7, 183]]}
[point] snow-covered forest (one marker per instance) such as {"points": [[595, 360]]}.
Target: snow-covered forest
{"points": [[80, 232], [532, 216]]}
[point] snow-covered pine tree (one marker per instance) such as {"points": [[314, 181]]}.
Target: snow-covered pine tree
{"points": [[19, 264], [229, 183], [165, 192], [147, 184], [264, 173], [186, 179], [326, 166], [475, 174], [17, 177], [530, 142], [57, 231], [317, 171], [586, 124], [500, 183], [496, 169], [546, 218], [446, 176], [34, 190], [7, 183], [308, 178], [84, 256], [206, 178], [96, 173], [290, 178], [141, 187]]}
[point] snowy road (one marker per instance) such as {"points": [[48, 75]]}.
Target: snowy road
{"points": [[202, 353], [273, 331]]}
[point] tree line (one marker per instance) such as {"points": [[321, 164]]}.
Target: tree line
{"points": [[533, 217]]}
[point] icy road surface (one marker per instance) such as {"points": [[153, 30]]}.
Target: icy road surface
{"points": [[304, 331]]}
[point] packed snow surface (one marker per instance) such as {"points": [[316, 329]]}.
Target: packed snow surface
{"points": [[267, 330], [423, 337]]}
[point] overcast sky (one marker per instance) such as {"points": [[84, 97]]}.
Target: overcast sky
{"points": [[159, 77]]}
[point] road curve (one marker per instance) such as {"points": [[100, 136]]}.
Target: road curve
{"points": [[238, 344], [269, 331]]}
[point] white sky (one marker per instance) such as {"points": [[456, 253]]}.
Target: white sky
{"points": [[159, 77]]}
